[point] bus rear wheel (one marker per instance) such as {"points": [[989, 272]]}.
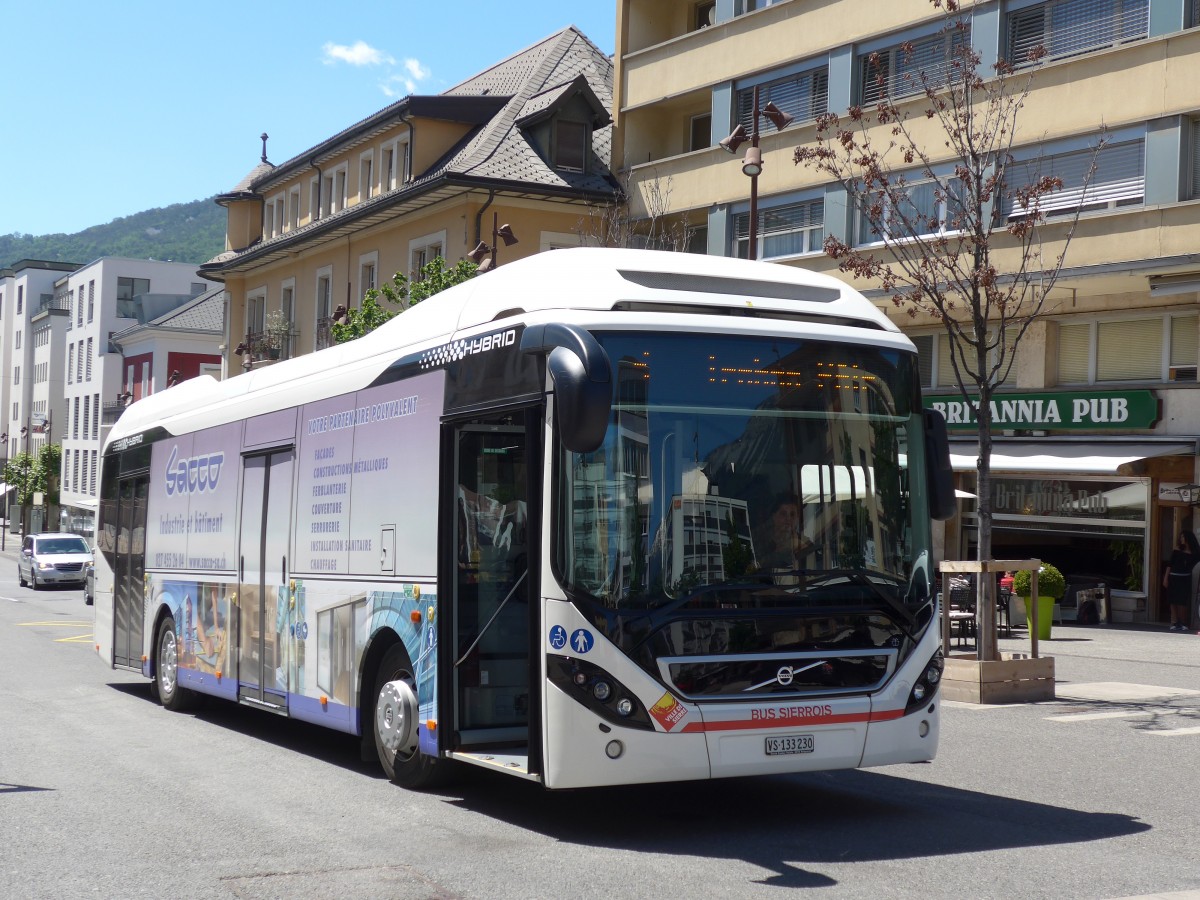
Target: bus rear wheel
{"points": [[166, 669], [396, 723]]}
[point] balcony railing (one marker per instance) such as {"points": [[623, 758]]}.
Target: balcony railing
{"points": [[262, 345], [324, 333], [111, 412]]}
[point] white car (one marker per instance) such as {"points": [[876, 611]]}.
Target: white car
{"points": [[53, 558]]}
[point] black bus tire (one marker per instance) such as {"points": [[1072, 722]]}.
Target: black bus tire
{"points": [[395, 722], [166, 669]]}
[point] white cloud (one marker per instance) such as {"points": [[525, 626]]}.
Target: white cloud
{"points": [[401, 84], [359, 53]]}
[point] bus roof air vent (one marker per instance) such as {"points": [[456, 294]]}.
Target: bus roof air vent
{"points": [[746, 312], [744, 288]]}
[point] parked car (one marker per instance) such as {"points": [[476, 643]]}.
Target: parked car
{"points": [[53, 558]]}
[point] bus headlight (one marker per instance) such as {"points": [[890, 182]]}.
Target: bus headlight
{"points": [[625, 707], [598, 690], [602, 690], [927, 683]]}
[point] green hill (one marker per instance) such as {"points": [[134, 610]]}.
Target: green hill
{"points": [[184, 232]]}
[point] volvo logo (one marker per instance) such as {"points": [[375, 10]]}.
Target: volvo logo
{"points": [[784, 675]]}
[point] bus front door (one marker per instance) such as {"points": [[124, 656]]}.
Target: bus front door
{"points": [[129, 586], [492, 587], [262, 592]]}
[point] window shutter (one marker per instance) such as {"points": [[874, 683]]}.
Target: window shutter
{"points": [[803, 96], [1196, 155], [945, 374], [1120, 177], [1185, 340], [1130, 350], [1066, 27], [924, 343], [1074, 344]]}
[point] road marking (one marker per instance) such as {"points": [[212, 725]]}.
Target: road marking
{"points": [[59, 623], [1118, 714], [1119, 692], [77, 639]]}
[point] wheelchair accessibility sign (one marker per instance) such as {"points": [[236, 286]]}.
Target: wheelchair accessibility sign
{"points": [[558, 637]]}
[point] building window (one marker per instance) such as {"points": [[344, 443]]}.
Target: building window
{"points": [[425, 250], [75, 470], [95, 422], [923, 209], [75, 420], [704, 14], [20, 297], [908, 67], [314, 200], [700, 136], [324, 334], [366, 164], [783, 230], [293, 211], [70, 364], [804, 96], [1066, 27], [128, 288], [935, 367], [367, 266], [571, 145], [17, 340], [1145, 349], [87, 416], [91, 300], [89, 359], [79, 363], [1119, 179]]}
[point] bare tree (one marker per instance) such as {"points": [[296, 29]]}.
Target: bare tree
{"points": [[930, 171], [614, 225]]}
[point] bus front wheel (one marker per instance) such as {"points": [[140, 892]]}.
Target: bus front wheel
{"points": [[396, 723], [166, 669]]}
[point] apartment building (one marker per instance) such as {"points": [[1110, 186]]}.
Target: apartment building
{"points": [[94, 376], [30, 319], [525, 143], [1104, 489]]}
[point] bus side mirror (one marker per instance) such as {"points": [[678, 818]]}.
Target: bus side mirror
{"points": [[582, 376], [939, 477]]}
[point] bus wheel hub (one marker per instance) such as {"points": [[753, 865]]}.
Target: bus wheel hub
{"points": [[396, 717]]}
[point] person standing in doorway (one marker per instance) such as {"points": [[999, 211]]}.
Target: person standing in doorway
{"points": [[1178, 579]]}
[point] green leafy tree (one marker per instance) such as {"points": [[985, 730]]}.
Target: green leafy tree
{"points": [[32, 473], [400, 294]]}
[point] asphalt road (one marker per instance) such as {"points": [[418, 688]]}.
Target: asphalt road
{"points": [[105, 794]]}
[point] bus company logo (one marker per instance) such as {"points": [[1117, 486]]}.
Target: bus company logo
{"points": [[193, 475], [459, 350], [668, 711], [126, 442]]}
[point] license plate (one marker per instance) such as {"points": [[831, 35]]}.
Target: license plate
{"points": [[795, 743]]}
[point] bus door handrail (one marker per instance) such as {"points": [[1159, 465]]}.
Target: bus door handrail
{"points": [[483, 631]]}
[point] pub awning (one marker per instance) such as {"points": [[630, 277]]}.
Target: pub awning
{"points": [[1095, 457]]}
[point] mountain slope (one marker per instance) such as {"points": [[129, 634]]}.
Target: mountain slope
{"points": [[184, 232]]}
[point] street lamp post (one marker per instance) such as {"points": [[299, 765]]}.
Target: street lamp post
{"points": [[482, 250], [4, 477], [25, 492], [752, 162]]}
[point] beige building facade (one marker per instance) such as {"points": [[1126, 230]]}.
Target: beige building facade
{"points": [[526, 143], [1095, 461]]}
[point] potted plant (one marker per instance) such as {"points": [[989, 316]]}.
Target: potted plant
{"points": [[1051, 587], [276, 332]]}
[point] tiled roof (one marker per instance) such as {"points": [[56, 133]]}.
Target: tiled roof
{"points": [[496, 151], [205, 313]]}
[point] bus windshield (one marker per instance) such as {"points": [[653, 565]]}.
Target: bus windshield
{"points": [[750, 472]]}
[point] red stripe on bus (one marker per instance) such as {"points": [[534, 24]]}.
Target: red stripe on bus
{"points": [[759, 724]]}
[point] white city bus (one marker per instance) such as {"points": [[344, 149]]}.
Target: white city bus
{"points": [[597, 517]]}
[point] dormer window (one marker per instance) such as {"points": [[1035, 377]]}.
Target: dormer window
{"points": [[571, 141]]}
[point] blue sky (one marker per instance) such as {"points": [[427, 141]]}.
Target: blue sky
{"points": [[111, 109]]}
